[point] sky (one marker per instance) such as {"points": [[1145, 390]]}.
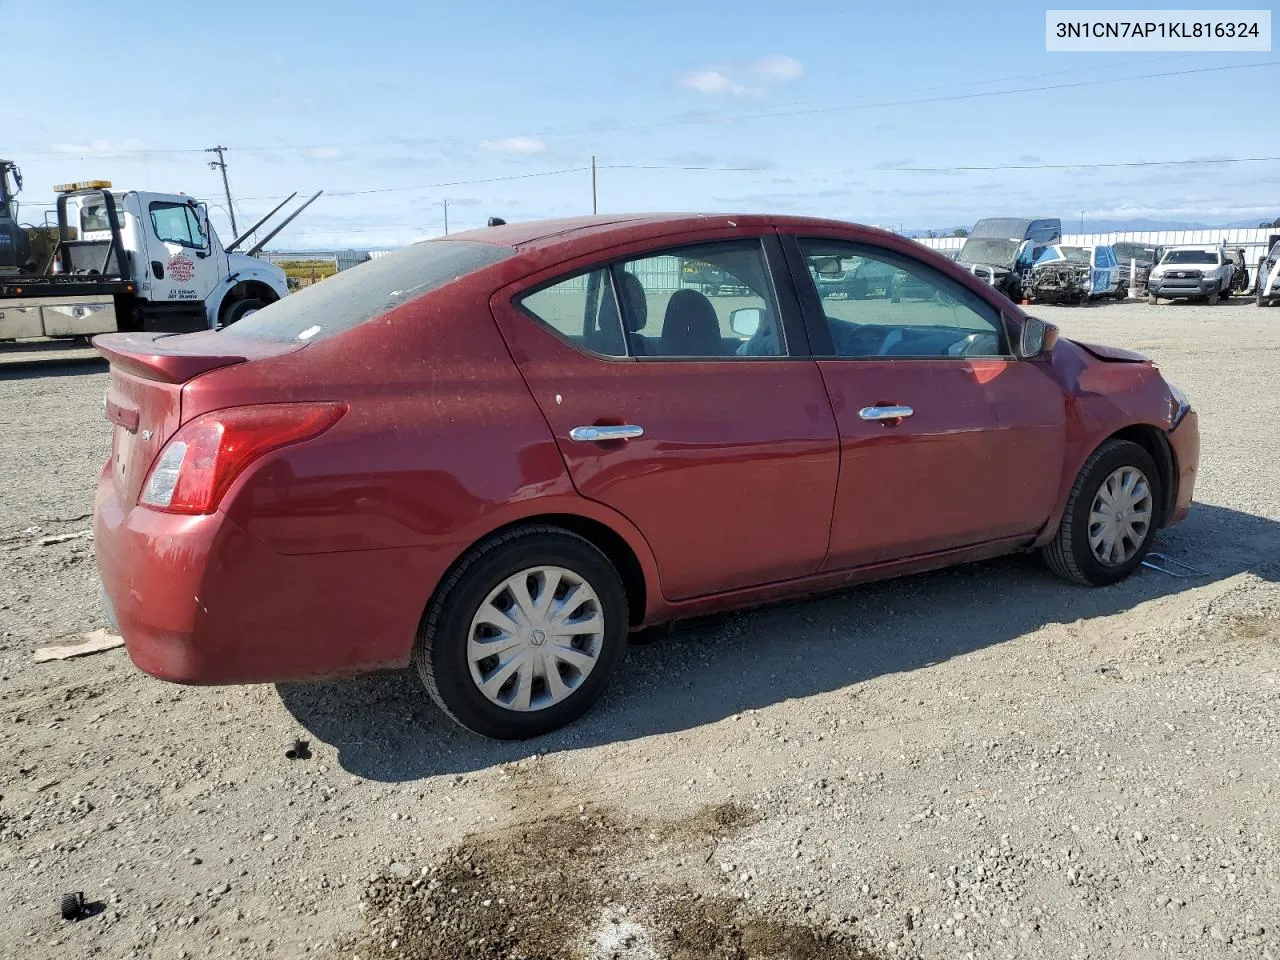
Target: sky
{"points": [[849, 110]]}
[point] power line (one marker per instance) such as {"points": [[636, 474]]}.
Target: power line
{"points": [[447, 183], [952, 169]]}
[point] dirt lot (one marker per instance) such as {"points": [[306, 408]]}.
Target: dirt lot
{"points": [[982, 762]]}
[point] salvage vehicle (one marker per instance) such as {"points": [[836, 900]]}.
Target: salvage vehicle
{"points": [[135, 261], [1191, 273], [1002, 250], [1142, 255], [546, 442], [1267, 285], [1065, 274]]}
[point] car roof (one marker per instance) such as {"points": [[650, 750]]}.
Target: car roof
{"points": [[609, 229]]}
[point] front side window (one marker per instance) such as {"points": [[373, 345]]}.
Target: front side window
{"points": [[881, 304], [177, 223], [705, 301]]}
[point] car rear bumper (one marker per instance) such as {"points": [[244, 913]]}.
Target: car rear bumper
{"points": [[1184, 440], [199, 600]]}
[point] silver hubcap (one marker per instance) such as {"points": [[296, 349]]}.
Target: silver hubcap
{"points": [[1120, 516], [535, 638]]}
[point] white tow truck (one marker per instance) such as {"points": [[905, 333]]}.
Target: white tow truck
{"points": [[138, 261]]}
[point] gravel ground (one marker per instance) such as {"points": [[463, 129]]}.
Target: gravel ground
{"points": [[980, 762]]}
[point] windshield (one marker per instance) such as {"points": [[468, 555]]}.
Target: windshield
{"points": [[1190, 256], [1134, 251], [349, 298], [1073, 254], [994, 251]]}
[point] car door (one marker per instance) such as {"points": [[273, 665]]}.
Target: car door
{"points": [[719, 446], [946, 440], [179, 262]]}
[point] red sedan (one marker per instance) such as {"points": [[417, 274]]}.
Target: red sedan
{"points": [[492, 455]]}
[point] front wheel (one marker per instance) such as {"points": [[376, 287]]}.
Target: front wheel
{"points": [[1212, 299], [524, 635], [1110, 518], [241, 309], [1151, 299]]}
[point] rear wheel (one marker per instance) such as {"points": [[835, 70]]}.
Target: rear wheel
{"points": [[524, 635], [1110, 518]]}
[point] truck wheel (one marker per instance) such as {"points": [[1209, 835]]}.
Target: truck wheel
{"points": [[240, 309], [1152, 298], [1212, 298], [1226, 293], [1110, 519], [1258, 298]]}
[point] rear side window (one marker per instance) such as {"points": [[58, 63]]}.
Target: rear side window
{"points": [[349, 298]]}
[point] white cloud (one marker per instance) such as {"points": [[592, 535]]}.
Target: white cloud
{"points": [[713, 83], [768, 72], [778, 69], [324, 153], [521, 146]]}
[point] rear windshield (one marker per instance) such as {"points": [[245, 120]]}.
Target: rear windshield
{"points": [[349, 298]]}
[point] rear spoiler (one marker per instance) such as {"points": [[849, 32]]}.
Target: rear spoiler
{"points": [[141, 355]]}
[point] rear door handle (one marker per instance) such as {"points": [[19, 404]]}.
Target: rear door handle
{"points": [[885, 413], [624, 431]]}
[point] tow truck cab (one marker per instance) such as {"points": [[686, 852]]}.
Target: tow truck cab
{"points": [[134, 261]]}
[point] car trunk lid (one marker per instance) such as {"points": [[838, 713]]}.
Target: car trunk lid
{"points": [[144, 395]]}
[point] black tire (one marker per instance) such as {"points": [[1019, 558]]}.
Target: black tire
{"points": [[71, 905], [1152, 299], [440, 654], [1258, 298], [239, 309], [1225, 294], [1069, 554], [1212, 298]]}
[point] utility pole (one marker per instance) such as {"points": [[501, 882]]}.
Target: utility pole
{"points": [[446, 217], [1082, 221], [221, 164], [593, 184]]}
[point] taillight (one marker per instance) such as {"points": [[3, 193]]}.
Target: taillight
{"points": [[205, 456]]}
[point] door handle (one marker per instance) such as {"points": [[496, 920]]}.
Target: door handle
{"points": [[624, 431], [885, 413]]}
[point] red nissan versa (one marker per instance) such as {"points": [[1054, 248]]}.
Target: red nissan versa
{"points": [[494, 454]]}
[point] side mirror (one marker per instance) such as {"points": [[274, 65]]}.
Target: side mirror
{"points": [[1037, 338], [745, 321], [827, 266]]}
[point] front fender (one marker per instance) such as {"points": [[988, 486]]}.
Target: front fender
{"points": [[267, 274]]}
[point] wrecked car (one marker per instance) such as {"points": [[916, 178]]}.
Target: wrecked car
{"points": [[1063, 274], [1143, 257], [1000, 251], [1267, 286]]}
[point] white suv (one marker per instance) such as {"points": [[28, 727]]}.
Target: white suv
{"points": [[1187, 273]]}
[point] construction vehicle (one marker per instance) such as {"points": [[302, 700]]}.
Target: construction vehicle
{"points": [[133, 261]]}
